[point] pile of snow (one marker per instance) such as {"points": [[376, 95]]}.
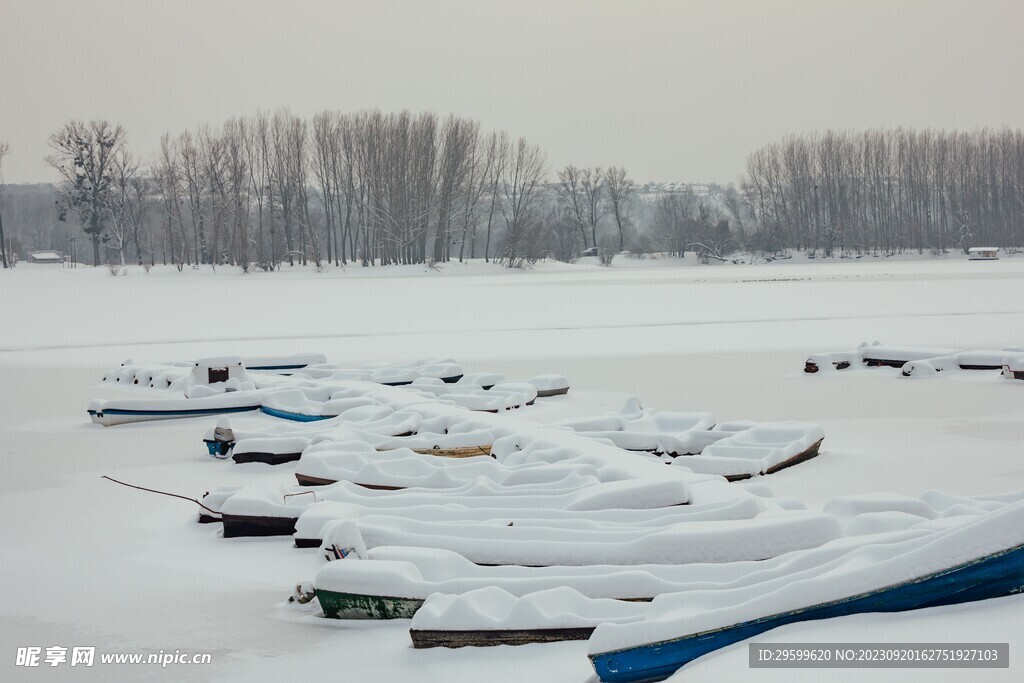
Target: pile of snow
{"points": [[271, 445], [882, 354], [484, 380]]}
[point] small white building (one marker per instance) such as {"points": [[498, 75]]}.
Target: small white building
{"points": [[45, 257], [983, 253]]}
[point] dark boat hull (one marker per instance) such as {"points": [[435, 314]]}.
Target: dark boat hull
{"points": [[485, 638], [337, 605], [239, 526]]}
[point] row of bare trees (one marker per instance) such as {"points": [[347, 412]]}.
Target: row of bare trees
{"points": [[367, 187], [889, 191], [586, 195], [682, 220], [398, 188], [370, 187]]}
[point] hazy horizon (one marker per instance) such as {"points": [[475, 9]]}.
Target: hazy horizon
{"points": [[672, 91]]}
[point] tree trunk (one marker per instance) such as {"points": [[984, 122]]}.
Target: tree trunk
{"points": [[3, 245]]}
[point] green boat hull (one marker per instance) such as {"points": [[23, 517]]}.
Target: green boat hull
{"points": [[356, 606]]}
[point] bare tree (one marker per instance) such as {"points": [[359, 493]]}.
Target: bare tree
{"points": [[522, 189], [565, 228], [481, 161], [83, 154], [168, 177], [570, 190], [325, 143], [195, 183], [620, 194], [593, 186], [4, 150], [673, 218], [502, 150], [236, 135], [126, 203]]}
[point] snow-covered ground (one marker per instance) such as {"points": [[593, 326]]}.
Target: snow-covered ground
{"points": [[86, 562]]}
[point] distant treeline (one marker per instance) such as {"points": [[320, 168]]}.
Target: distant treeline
{"points": [[382, 188], [889, 191]]}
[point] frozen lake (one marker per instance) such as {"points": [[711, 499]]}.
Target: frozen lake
{"points": [[89, 563]]}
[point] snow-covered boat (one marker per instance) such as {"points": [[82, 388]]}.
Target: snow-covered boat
{"points": [[309, 528], [549, 543], [393, 582], [912, 360], [259, 511], [635, 428], [122, 411], [361, 463], [735, 450], [1013, 366], [756, 450], [493, 616], [956, 561], [283, 364], [550, 385]]}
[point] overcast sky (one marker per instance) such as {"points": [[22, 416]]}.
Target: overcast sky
{"points": [[673, 91]]}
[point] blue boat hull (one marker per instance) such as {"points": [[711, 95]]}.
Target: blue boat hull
{"points": [[276, 368], [116, 416], [294, 417], [176, 413], [989, 577]]}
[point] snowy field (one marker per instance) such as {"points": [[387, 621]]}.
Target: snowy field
{"points": [[86, 562]]}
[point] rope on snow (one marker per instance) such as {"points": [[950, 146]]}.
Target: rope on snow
{"points": [[162, 493]]}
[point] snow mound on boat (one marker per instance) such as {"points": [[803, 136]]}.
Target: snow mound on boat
{"points": [[764, 536], [760, 449], [500, 397], [362, 463], [312, 519], [493, 608], [386, 373], [637, 429]]}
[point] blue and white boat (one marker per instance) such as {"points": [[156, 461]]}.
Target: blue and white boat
{"points": [[976, 560], [123, 411]]}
